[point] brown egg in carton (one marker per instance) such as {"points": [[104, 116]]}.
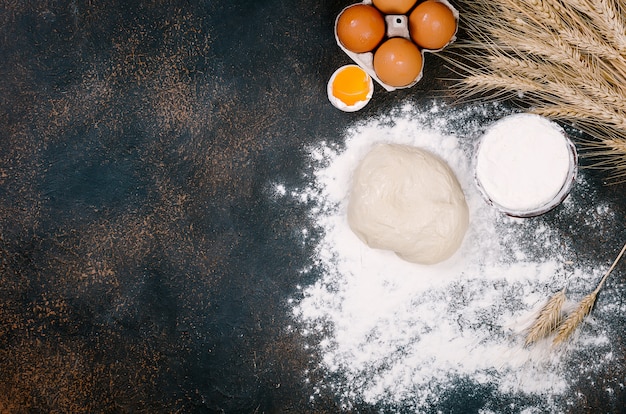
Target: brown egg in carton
{"points": [[397, 25]]}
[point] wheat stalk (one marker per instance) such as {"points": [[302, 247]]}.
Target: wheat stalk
{"points": [[550, 318], [565, 59], [606, 15], [547, 320], [612, 151], [574, 319]]}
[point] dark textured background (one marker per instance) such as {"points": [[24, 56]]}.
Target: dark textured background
{"points": [[144, 266]]}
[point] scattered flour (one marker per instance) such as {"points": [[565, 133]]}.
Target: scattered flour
{"points": [[398, 334]]}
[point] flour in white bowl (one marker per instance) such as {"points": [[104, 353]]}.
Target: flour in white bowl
{"points": [[525, 164]]}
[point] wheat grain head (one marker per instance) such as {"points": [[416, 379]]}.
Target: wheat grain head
{"points": [[574, 319], [547, 320]]}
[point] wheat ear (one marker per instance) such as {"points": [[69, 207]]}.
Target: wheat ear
{"points": [[569, 325], [547, 320]]}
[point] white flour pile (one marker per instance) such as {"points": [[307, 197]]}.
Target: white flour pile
{"points": [[396, 334], [506, 151]]}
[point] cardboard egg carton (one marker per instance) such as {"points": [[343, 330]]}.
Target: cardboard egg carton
{"points": [[397, 25]]}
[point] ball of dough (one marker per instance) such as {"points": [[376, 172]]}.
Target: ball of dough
{"points": [[408, 200]]}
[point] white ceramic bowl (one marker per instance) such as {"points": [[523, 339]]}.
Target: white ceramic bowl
{"points": [[525, 165]]}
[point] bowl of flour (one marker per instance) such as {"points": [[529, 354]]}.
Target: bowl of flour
{"points": [[525, 165]]}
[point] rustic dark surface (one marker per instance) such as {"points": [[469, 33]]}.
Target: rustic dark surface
{"points": [[143, 266]]}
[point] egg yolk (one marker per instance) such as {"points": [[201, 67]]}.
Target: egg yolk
{"points": [[432, 25], [394, 6], [360, 28], [398, 62], [351, 85]]}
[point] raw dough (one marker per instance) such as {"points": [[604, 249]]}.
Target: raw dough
{"points": [[408, 200]]}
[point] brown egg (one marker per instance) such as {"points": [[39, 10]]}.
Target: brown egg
{"points": [[360, 28], [432, 25], [394, 6], [398, 62]]}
